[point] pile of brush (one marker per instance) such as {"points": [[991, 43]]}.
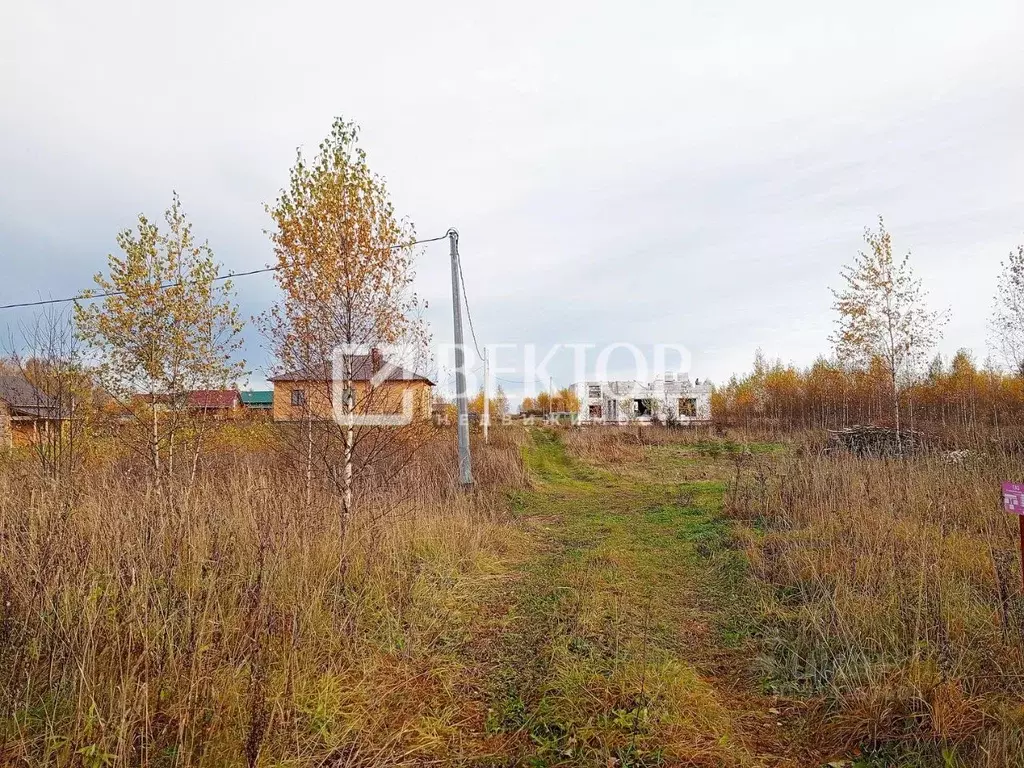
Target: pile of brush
{"points": [[878, 441]]}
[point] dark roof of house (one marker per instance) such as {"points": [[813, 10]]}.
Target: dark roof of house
{"points": [[258, 397], [24, 399], [362, 370], [213, 398]]}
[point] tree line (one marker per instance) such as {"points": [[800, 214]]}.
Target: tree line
{"points": [[882, 370], [561, 401], [955, 393]]}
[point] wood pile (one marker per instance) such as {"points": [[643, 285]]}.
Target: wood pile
{"points": [[878, 441]]}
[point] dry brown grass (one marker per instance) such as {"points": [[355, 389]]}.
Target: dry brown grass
{"points": [[892, 592], [888, 593], [608, 445], [234, 624]]}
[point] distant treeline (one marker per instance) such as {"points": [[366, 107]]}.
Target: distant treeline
{"points": [[956, 395]]}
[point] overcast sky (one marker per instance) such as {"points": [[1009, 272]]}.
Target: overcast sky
{"points": [[680, 172]]}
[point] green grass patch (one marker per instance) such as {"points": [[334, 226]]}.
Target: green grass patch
{"points": [[592, 666]]}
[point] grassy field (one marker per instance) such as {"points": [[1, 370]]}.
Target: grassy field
{"points": [[889, 596], [606, 598], [607, 644]]}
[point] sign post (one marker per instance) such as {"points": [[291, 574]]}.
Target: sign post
{"points": [[1013, 502]]}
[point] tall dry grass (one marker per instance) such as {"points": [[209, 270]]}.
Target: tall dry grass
{"points": [[625, 444], [233, 624], [892, 593]]}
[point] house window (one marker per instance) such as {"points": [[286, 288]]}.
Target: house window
{"points": [[595, 411], [298, 397], [688, 406], [594, 390], [642, 407]]}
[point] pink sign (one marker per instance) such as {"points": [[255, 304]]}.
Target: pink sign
{"points": [[1013, 498]]}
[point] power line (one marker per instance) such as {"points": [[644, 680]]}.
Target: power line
{"points": [[419, 242], [472, 329], [165, 286], [469, 314], [447, 372]]}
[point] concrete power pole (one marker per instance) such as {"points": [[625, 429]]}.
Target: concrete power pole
{"points": [[486, 416], [461, 396]]}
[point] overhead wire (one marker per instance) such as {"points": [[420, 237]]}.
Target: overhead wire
{"points": [[465, 300], [472, 330], [231, 275], [165, 286]]}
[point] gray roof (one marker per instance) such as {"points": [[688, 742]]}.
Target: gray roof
{"points": [[362, 370], [24, 399]]}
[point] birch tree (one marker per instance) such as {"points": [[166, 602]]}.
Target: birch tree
{"points": [[1006, 327], [162, 329], [883, 315], [347, 282], [47, 354]]}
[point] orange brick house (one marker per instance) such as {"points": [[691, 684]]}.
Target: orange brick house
{"points": [[302, 394]]}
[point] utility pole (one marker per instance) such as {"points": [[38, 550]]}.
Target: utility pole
{"points": [[487, 400], [461, 396]]}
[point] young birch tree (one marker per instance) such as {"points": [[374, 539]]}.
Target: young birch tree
{"points": [[883, 316], [47, 355], [346, 283], [1007, 324], [162, 329]]}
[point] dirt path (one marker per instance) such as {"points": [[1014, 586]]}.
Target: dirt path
{"points": [[623, 642]]}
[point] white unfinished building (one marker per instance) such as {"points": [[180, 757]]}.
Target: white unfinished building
{"points": [[671, 398]]}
